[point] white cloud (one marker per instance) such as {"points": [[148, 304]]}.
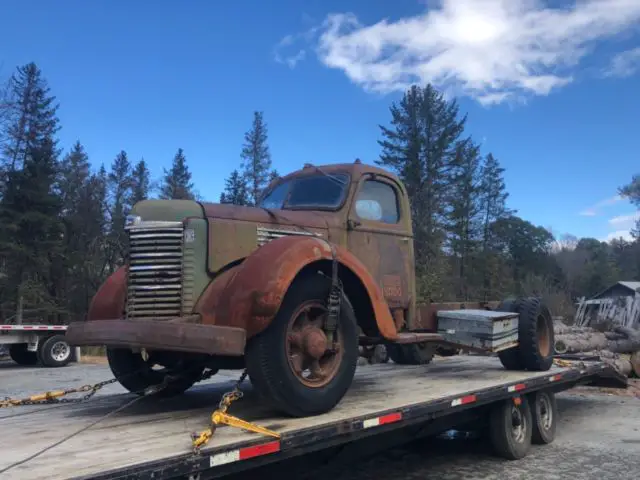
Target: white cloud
{"points": [[490, 50], [625, 221], [595, 209], [624, 64], [618, 234]]}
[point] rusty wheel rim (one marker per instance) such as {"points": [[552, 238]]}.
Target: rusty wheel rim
{"points": [[544, 338], [313, 361]]}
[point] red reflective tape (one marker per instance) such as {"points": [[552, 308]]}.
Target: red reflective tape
{"points": [[258, 450], [463, 400], [517, 387], [554, 378], [391, 418], [5, 327]]}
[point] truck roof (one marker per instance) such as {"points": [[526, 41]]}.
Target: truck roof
{"points": [[152, 439], [356, 169]]}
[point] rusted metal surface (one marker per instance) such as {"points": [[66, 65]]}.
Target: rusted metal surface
{"points": [[179, 337], [252, 297], [108, 302], [208, 303], [427, 318], [310, 356]]}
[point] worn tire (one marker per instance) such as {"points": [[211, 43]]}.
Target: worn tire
{"points": [[19, 354], [268, 365], [544, 412], [133, 374], [505, 442], [447, 351], [55, 351], [535, 336], [411, 354]]}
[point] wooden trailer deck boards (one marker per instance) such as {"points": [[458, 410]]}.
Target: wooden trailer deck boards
{"points": [[153, 436]]}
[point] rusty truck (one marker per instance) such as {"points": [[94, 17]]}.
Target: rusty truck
{"points": [[288, 290]]}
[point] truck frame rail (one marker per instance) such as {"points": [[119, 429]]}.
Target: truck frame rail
{"points": [[152, 440]]}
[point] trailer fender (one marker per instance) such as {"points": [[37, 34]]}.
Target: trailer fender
{"points": [[249, 295], [109, 301]]}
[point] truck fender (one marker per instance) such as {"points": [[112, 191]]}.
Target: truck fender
{"points": [[250, 296], [109, 301]]}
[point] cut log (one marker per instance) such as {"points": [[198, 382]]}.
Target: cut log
{"points": [[582, 342], [619, 340], [635, 363]]}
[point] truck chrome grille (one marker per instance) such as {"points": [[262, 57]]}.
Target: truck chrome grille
{"points": [[265, 235], [154, 288]]}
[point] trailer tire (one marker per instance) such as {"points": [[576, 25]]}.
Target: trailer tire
{"points": [[136, 375], [411, 354], [544, 411], [535, 336], [54, 351], [19, 354], [272, 355], [510, 429]]}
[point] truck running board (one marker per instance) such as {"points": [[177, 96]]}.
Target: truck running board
{"points": [[403, 338]]}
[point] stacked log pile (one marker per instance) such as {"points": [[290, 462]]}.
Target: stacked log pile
{"points": [[614, 344]]}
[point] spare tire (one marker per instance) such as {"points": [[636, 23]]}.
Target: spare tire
{"points": [[535, 335]]}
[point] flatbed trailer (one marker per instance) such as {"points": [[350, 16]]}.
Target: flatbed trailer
{"points": [[152, 439], [37, 344]]}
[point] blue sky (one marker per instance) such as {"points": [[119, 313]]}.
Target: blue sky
{"points": [[554, 94]]}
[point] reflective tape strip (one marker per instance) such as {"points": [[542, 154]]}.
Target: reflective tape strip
{"points": [[243, 453], [463, 400], [516, 388], [33, 327], [383, 420], [556, 377]]}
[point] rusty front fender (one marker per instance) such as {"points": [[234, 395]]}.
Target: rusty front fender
{"points": [[249, 295], [108, 302]]}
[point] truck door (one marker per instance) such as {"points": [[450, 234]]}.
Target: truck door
{"points": [[379, 234]]}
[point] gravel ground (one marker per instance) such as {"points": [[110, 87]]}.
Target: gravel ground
{"points": [[598, 438]]}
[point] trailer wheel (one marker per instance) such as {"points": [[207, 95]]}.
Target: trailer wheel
{"points": [[412, 353], [535, 336], [545, 413], [19, 354], [54, 351], [136, 372], [510, 429], [291, 363]]}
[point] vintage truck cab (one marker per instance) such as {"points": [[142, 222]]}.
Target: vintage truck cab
{"points": [[287, 289]]}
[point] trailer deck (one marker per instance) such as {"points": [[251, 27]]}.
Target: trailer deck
{"points": [[152, 438]]}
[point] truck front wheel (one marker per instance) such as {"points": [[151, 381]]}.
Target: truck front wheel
{"points": [[136, 372], [292, 363]]}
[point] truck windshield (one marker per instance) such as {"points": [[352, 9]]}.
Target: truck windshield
{"points": [[308, 192]]}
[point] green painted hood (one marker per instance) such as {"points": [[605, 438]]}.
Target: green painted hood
{"points": [[167, 210]]}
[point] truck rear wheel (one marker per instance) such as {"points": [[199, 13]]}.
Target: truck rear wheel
{"points": [[545, 414], [535, 336], [55, 351], [292, 365], [19, 354], [137, 373], [411, 354], [510, 428]]}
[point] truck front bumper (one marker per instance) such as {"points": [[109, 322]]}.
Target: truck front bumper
{"points": [[159, 335]]}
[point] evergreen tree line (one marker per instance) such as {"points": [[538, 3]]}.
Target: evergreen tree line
{"points": [[61, 221]]}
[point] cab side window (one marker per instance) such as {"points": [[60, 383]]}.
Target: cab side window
{"points": [[377, 201]]}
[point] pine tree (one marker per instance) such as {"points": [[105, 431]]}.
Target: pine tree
{"points": [[493, 199], [141, 182], [632, 192], [30, 229], [256, 158], [420, 147], [235, 190], [465, 222], [119, 184], [177, 183]]}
